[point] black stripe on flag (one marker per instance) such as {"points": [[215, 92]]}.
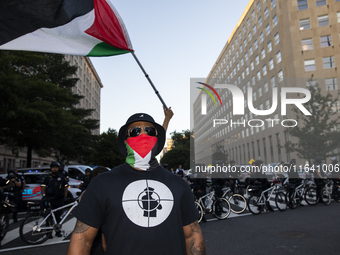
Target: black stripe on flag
{"points": [[20, 17]]}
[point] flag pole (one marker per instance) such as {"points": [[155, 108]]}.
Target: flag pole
{"points": [[147, 76]]}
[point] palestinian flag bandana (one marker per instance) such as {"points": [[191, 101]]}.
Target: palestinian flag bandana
{"points": [[141, 152]]}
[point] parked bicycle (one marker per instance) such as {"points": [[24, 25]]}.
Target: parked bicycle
{"points": [[257, 201], [208, 204], [238, 203], [296, 195], [312, 197], [6, 209], [40, 222]]}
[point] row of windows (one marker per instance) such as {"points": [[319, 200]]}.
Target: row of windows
{"points": [[328, 62], [323, 20], [326, 41], [303, 4]]}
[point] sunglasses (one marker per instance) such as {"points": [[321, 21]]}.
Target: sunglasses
{"points": [[136, 131]]}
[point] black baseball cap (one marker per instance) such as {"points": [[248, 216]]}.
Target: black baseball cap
{"points": [[140, 117]]}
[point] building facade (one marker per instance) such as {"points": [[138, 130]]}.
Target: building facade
{"points": [[89, 85], [275, 44]]}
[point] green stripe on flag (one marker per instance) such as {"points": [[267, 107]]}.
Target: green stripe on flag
{"points": [[103, 49], [130, 159]]}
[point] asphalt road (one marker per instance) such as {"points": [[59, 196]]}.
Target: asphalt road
{"points": [[305, 230]]}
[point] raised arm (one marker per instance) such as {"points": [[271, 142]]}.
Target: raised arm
{"points": [[194, 239], [168, 115], [81, 239]]}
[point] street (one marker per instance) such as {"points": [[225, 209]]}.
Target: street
{"points": [[305, 230]]}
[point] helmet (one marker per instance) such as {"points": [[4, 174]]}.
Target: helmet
{"points": [[61, 166], [54, 163], [88, 170], [165, 165]]}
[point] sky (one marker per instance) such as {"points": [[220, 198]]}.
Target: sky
{"points": [[174, 41]]}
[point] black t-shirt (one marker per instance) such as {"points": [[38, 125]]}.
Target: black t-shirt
{"points": [[140, 212]]}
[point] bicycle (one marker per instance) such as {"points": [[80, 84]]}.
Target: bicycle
{"points": [[312, 197], [6, 208], [257, 200], [336, 191], [208, 204], [39, 224], [295, 197], [239, 204]]}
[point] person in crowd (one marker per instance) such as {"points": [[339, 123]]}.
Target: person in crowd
{"points": [[85, 181], [115, 201], [179, 171], [14, 193], [319, 176], [22, 180], [62, 171], [54, 188], [335, 175]]}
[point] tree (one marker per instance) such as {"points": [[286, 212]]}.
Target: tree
{"points": [[38, 107], [219, 155], [180, 154], [106, 151], [318, 135]]}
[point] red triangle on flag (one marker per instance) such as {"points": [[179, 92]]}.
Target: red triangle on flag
{"points": [[142, 144]]}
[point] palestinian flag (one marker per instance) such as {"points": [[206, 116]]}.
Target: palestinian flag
{"points": [[75, 27]]}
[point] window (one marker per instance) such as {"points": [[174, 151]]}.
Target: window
{"points": [[238, 67], [280, 76], [254, 29], [246, 56], [302, 5], [277, 39], [267, 104], [326, 41], [304, 24], [233, 47], [233, 59], [234, 70], [260, 21], [271, 64], [258, 76], [266, 14], [309, 65], [240, 35], [253, 14], [251, 50], [272, 81], [264, 69], [249, 36], [252, 65], [247, 70], [269, 45], [237, 54], [244, 29], [320, 2], [278, 57], [268, 29], [253, 80], [242, 62], [256, 45], [254, 96], [260, 92], [307, 44], [338, 16], [248, 22], [257, 59], [263, 53], [241, 48], [243, 75], [245, 42], [239, 79], [331, 84], [275, 21], [328, 62], [236, 41], [261, 37], [273, 4], [228, 68], [323, 20], [258, 6], [266, 87]]}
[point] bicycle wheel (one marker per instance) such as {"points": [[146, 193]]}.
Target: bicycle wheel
{"points": [[29, 231], [325, 196], [281, 201], [222, 208], [292, 199], [4, 223], [255, 206], [200, 211], [336, 194], [311, 196], [237, 203]]}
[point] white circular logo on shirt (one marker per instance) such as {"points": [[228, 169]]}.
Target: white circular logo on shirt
{"points": [[147, 203]]}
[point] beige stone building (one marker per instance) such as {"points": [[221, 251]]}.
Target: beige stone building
{"points": [[89, 85], [275, 44]]}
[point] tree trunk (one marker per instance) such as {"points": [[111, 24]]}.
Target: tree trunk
{"points": [[29, 156]]}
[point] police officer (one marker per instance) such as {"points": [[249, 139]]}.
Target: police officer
{"points": [[14, 193], [21, 179], [62, 171], [85, 180], [54, 188]]}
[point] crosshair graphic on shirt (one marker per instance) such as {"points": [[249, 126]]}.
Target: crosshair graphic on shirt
{"points": [[147, 203]]}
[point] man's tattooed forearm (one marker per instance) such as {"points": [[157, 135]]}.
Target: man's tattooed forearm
{"points": [[195, 227], [197, 249], [80, 227]]}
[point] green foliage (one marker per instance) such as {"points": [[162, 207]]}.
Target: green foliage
{"points": [[38, 109], [106, 151], [318, 135], [180, 154]]}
